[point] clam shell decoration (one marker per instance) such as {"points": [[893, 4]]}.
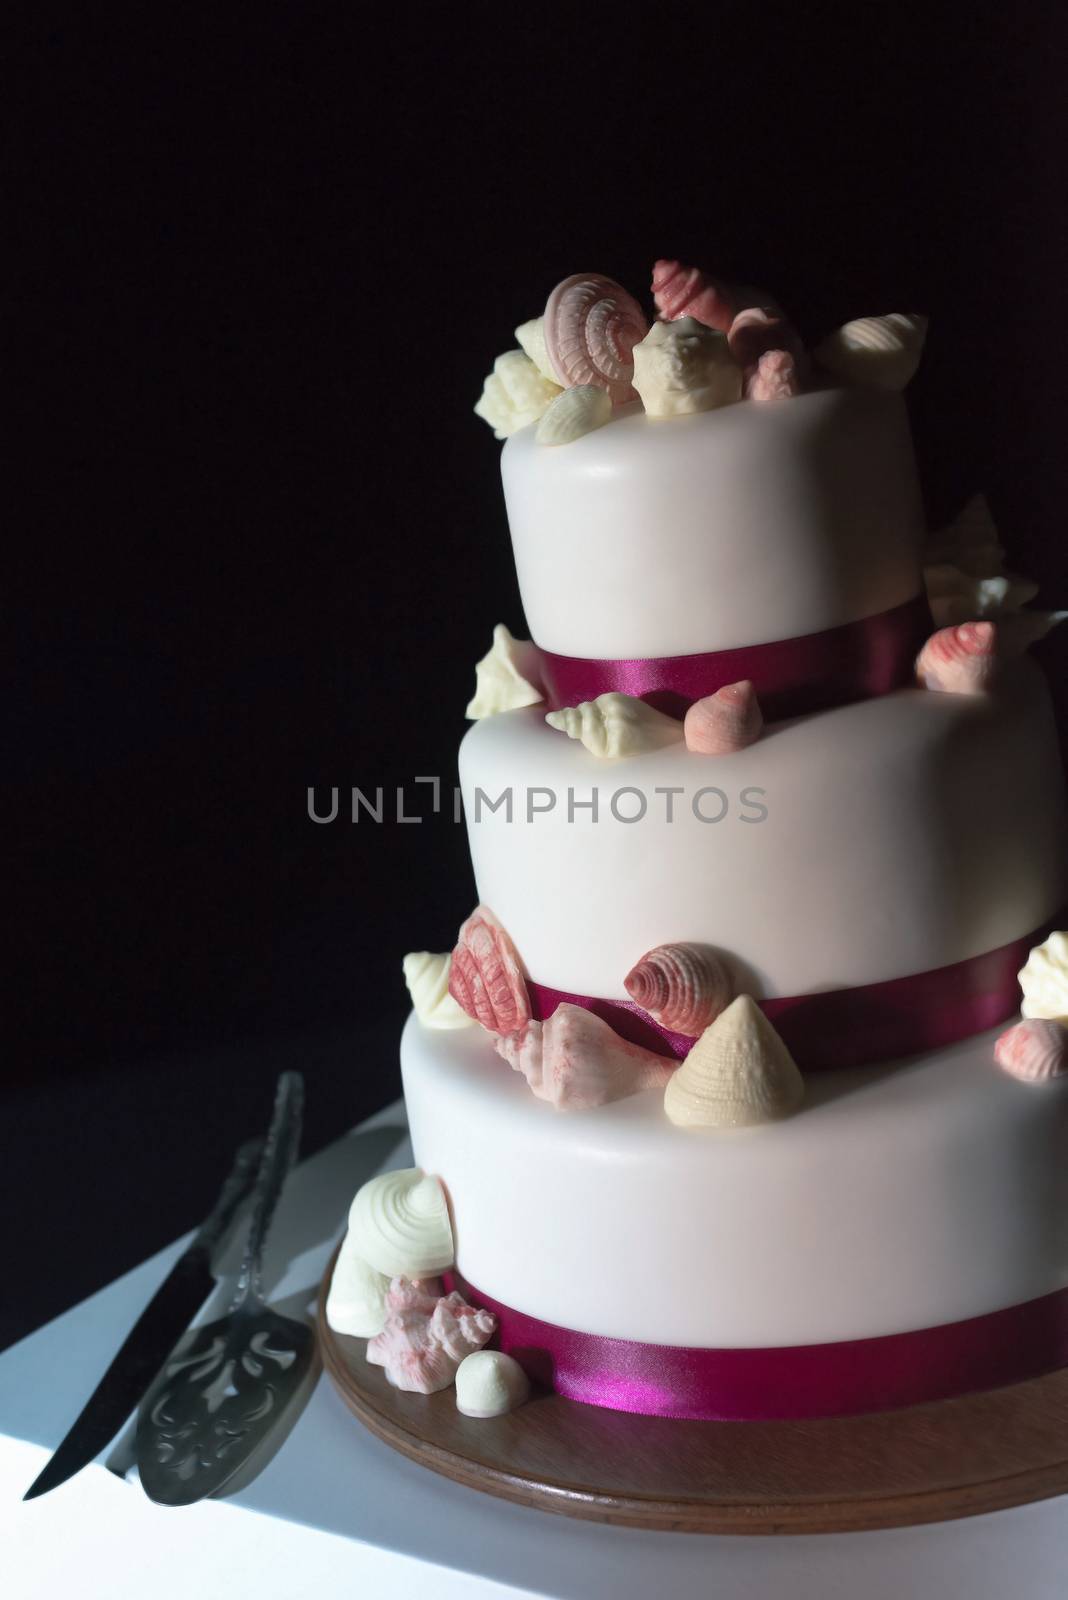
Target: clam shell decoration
{"points": [[422, 1349], [959, 660], [399, 1224], [427, 977], [506, 679], [686, 292], [1034, 1051], [684, 987], [490, 1383], [738, 1073], [575, 412], [682, 367], [875, 352], [1044, 980], [590, 327], [575, 1061], [723, 722], [486, 979], [356, 1304], [616, 725], [773, 378]]}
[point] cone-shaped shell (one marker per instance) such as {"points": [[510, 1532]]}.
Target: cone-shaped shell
{"points": [[684, 987], [575, 412], [739, 1072], [490, 1383], [590, 327], [686, 292], [723, 722], [615, 725], [960, 660], [356, 1304], [506, 677], [875, 352], [756, 332], [576, 1061], [399, 1224], [775, 377], [970, 542], [427, 976], [485, 978], [1044, 979], [1034, 1050]]}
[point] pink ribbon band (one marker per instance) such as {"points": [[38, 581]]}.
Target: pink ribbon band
{"points": [[856, 661], [815, 1380], [850, 1027]]}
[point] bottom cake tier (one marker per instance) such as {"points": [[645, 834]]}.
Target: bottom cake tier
{"points": [[903, 1238]]}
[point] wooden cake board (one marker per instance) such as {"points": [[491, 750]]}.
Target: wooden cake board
{"points": [[929, 1463]]}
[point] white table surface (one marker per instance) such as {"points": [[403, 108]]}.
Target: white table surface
{"points": [[334, 1508]]}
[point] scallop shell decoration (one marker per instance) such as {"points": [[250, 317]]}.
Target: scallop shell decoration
{"points": [[575, 1061], [421, 1349], [738, 1073], [1044, 980], [514, 395], [427, 977], [490, 1383], [684, 987], [773, 378], [486, 979], [683, 367], [506, 679], [1034, 1051], [686, 292], [590, 327], [875, 352], [616, 725], [399, 1224], [724, 722], [356, 1304], [573, 413], [959, 660]]}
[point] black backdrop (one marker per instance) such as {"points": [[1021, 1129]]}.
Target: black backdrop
{"points": [[260, 268]]}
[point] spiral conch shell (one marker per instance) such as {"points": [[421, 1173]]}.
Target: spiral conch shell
{"points": [[1044, 980], [427, 977], [616, 725], [486, 978], [739, 1072], [575, 412], [506, 679], [686, 292], [723, 722], [875, 352], [959, 660], [575, 1061], [425, 1340], [684, 987], [356, 1304], [590, 327], [399, 1224], [514, 395], [774, 377], [1034, 1051], [681, 367], [490, 1383]]}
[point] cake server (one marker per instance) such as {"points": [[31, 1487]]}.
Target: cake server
{"points": [[152, 1337], [218, 1398]]}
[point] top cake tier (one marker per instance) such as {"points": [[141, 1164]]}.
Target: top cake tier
{"points": [[735, 527]]}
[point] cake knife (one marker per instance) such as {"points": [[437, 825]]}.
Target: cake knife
{"points": [[152, 1337]]}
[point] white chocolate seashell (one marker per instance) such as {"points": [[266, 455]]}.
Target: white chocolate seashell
{"points": [[957, 596], [399, 1223], [489, 1384], [424, 1342], [530, 336], [720, 723], [575, 1061], [1034, 1051], [575, 412], [427, 977], [514, 395], [875, 352], [487, 979], [682, 367], [970, 542], [505, 678], [356, 1304], [739, 1072], [616, 725], [960, 660], [684, 987], [1044, 980]]}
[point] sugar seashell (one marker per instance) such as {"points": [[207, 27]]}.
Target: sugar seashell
{"points": [[970, 542], [684, 987], [427, 977], [959, 660], [755, 332], [575, 412], [682, 367], [399, 1224], [957, 596], [616, 725], [739, 1072], [486, 978], [875, 352], [590, 327], [413, 1294], [1019, 630], [490, 1383], [576, 1061], [514, 395], [507, 677], [530, 336], [725, 721], [1035, 1051], [356, 1304], [422, 1349], [686, 292], [773, 378], [1044, 979]]}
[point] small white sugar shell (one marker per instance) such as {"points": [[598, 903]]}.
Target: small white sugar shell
{"points": [[505, 678], [575, 412], [616, 725], [682, 367], [514, 395], [738, 1073], [1044, 980], [875, 352], [356, 1304], [399, 1223], [530, 336], [427, 977], [490, 1383]]}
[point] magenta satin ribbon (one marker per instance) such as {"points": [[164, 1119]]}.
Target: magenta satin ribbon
{"points": [[856, 661], [850, 1027], [812, 1380]]}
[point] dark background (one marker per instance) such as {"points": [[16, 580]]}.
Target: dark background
{"points": [[260, 269]]}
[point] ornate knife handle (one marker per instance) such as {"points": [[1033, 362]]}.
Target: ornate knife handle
{"points": [[232, 1193], [279, 1154]]}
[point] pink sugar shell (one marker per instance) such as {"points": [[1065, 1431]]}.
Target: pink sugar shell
{"points": [[723, 722], [576, 1061], [773, 378], [423, 1343], [960, 660], [686, 292], [591, 325], [1035, 1050], [485, 976], [684, 987]]}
